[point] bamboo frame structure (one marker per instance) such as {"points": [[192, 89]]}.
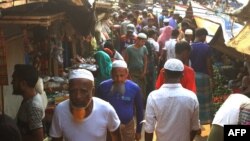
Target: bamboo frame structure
{"points": [[43, 20]]}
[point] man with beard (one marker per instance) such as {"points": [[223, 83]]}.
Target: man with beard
{"points": [[84, 117], [125, 96], [31, 112]]}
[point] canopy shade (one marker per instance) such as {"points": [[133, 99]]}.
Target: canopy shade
{"points": [[241, 41], [81, 17], [216, 38], [243, 13], [211, 26]]}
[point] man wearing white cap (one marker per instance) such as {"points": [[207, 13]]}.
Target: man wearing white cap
{"points": [[125, 96], [173, 19], [165, 24], [172, 111], [84, 117], [188, 36], [169, 48], [182, 51], [136, 58]]}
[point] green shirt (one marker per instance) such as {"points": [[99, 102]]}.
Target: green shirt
{"points": [[136, 57]]}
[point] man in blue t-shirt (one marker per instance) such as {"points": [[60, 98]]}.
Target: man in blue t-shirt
{"points": [[125, 96], [201, 62]]}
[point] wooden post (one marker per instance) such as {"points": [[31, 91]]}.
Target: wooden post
{"points": [[3, 66], [2, 99]]}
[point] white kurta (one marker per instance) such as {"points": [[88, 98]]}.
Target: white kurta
{"points": [[172, 112]]}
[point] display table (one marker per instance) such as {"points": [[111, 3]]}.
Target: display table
{"points": [[90, 67], [56, 91]]}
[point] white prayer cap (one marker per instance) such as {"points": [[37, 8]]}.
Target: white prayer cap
{"points": [[188, 32], [130, 26], [142, 36], [174, 65], [119, 64], [150, 8], [115, 14], [166, 20], [81, 73]]}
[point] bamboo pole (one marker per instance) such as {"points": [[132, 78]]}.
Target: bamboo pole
{"points": [[2, 99]]}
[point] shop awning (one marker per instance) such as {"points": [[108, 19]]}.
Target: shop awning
{"points": [[80, 17], [43, 20], [216, 39], [243, 13], [218, 43], [241, 41], [211, 27], [32, 14], [229, 27], [224, 35]]}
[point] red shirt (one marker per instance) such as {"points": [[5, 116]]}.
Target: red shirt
{"points": [[187, 81]]}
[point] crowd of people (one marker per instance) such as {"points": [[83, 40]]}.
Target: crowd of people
{"points": [[154, 72]]}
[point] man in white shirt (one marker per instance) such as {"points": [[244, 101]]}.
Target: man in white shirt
{"points": [[152, 35], [228, 114], [172, 111], [169, 49], [84, 117]]}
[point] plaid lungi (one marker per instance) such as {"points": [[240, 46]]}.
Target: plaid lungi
{"points": [[204, 95], [141, 82], [128, 131], [244, 115]]}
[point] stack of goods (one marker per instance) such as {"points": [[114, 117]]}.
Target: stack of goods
{"points": [[220, 91], [56, 90]]}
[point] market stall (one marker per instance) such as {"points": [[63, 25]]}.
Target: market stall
{"points": [[223, 33], [48, 41]]}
